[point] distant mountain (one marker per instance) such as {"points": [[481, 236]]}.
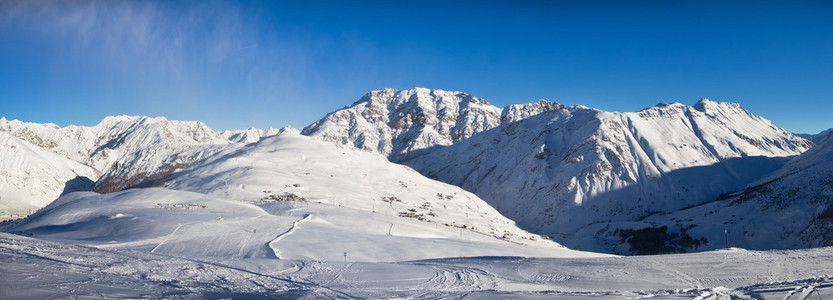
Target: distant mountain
{"points": [[122, 151], [252, 135], [394, 122], [563, 170], [31, 177], [815, 138]]}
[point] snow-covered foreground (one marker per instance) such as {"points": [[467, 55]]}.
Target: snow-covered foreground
{"points": [[36, 268], [162, 243]]}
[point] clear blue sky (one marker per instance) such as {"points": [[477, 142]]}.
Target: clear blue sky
{"points": [[236, 64]]}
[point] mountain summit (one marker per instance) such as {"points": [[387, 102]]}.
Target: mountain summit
{"points": [[394, 122]]}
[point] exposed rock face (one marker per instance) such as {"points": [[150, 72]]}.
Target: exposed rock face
{"points": [[517, 112], [395, 123]]}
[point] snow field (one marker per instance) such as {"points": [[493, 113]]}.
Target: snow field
{"points": [[324, 173], [36, 267]]}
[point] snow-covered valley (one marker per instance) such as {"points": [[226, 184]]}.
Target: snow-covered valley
{"points": [[152, 208]]}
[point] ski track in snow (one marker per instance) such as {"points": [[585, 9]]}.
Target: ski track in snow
{"points": [[291, 230], [57, 269], [168, 237]]}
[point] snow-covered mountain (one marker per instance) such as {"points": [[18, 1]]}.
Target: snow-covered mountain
{"points": [[815, 138], [289, 166], [123, 151], [163, 243], [555, 170], [252, 135], [517, 112], [789, 208], [560, 171], [291, 197], [31, 177], [394, 122]]}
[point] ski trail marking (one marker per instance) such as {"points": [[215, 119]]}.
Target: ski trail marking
{"points": [[289, 231]]}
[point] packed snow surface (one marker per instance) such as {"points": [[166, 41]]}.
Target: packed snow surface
{"points": [[40, 268], [163, 243]]}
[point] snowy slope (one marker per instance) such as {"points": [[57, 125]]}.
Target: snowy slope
{"points": [[31, 177], [37, 268], [252, 135], [790, 208], [562, 170], [290, 197], [217, 237], [124, 150], [394, 122], [323, 172]]}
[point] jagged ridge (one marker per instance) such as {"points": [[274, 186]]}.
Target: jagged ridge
{"points": [[562, 170], [395, 123]]}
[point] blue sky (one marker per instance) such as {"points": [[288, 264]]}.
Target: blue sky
{"points": [[235, 65]]}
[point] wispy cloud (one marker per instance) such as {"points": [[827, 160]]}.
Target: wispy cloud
{"points": [[141, 37]]}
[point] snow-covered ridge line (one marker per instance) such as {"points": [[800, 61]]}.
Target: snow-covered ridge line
{"points": [[122, 151], [789, 208], [562, 170], [394, 122], [252, 135], [818, 137], [31, 177]]}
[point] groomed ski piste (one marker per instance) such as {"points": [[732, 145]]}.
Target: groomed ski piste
{"points": [[295, 217]]}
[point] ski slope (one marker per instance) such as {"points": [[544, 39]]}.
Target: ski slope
{"points": [[291, 165], [39, 268]]}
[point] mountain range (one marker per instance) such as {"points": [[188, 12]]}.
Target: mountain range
{"points": [[563, 170], [589, 179], [395, 123], [815, 138], [119, 152]]}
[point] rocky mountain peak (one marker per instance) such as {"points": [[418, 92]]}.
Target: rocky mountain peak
{"points": [[518, 112], [394, 122], [397, 122]]}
